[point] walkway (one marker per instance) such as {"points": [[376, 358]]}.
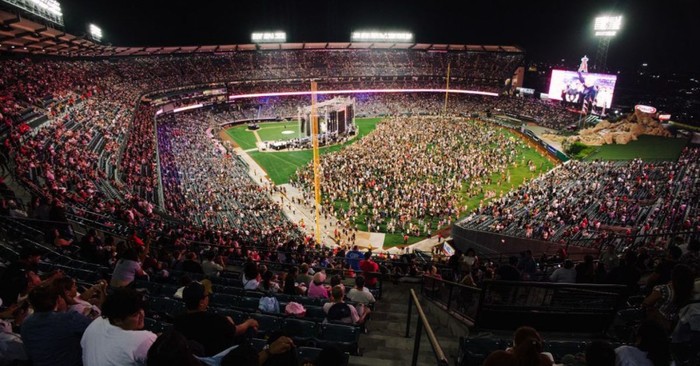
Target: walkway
{"points": [[386, 344]]}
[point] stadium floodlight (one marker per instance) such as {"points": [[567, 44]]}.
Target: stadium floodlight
{"points": [[264, 37], [380, 36], [607, 26], [95, 32], [46, 9]]}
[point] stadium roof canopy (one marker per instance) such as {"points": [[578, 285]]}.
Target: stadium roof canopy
{"points": [[21, 35]]}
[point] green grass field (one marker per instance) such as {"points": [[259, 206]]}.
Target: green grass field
{"points": [[646, 148], [243, 137], [269, 131], [272, 131], [280, 166]]}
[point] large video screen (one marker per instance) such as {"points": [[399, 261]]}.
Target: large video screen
{"points": [[574, 87]]}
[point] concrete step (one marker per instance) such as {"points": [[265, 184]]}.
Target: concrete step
{"points": [[385, 343]]}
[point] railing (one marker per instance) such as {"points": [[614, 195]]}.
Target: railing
{"points": [[455, 297], [422, 324]]}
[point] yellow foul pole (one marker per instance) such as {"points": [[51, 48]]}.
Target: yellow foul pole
{"points": [[447, 89], [317, 160]]}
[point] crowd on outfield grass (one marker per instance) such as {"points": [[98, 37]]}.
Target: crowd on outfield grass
{"points": [[408, 174]]}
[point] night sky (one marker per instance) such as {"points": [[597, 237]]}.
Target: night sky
{"points": [[661, 33]]}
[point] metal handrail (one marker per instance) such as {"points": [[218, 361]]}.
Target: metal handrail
{"points": [[452, 294], [421, 324]]}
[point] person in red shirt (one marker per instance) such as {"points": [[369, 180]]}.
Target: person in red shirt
{"points": [[367, 266]]}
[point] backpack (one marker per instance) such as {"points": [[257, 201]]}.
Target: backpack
{"points": [[269, 304], [339, 311]]}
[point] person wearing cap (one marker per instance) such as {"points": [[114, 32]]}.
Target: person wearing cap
{"points": [[116, 338], [213, 331]]}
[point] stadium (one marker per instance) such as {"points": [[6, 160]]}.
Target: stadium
{"points": [[372, 201]]}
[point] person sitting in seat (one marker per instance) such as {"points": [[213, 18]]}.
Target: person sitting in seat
{"points": [[338, 311], [51, 335], [526, 350], [317, 287], [213, 331], [360, 293], [118, 338]]}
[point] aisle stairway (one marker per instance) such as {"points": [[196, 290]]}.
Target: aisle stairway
{"points": [[385, 343]]}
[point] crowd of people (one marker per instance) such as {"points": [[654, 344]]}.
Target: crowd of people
{"points": [[405, 176], [96, 159], [205, 184], [591, 203]]}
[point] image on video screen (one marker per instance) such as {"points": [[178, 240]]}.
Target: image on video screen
{"points": [[575, 87]]}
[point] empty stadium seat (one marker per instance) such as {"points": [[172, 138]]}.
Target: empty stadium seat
{"points": [[315, 313], [473, 351], [165, 308], [267, 324], [301, 331], [345, 337], [308, 354], [223, 300]]}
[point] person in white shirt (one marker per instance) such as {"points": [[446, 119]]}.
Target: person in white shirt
{"points": [[116, 339], [566, 274], [360, 293], [212, 265], [651, 348]]}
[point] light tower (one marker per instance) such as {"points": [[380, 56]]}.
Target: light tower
{"points": [[95, 33], [605, 27]]}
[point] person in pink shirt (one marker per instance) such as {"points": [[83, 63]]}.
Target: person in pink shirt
{"points": [[317, 288]]}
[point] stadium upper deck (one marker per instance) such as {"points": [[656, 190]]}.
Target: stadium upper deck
{"points": [[22, 35]]}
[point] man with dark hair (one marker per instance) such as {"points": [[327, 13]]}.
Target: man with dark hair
{"points": [[18, 277], [527, 265], [337, 310], [304, 276], [190, 264], [369, 267], [609, 258], [353, 258], [212, 264], [51, 336], [508, 272], [627, 274], [662, 272], [117, 338], [213, 331], [360, 293], [565, 274]]}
